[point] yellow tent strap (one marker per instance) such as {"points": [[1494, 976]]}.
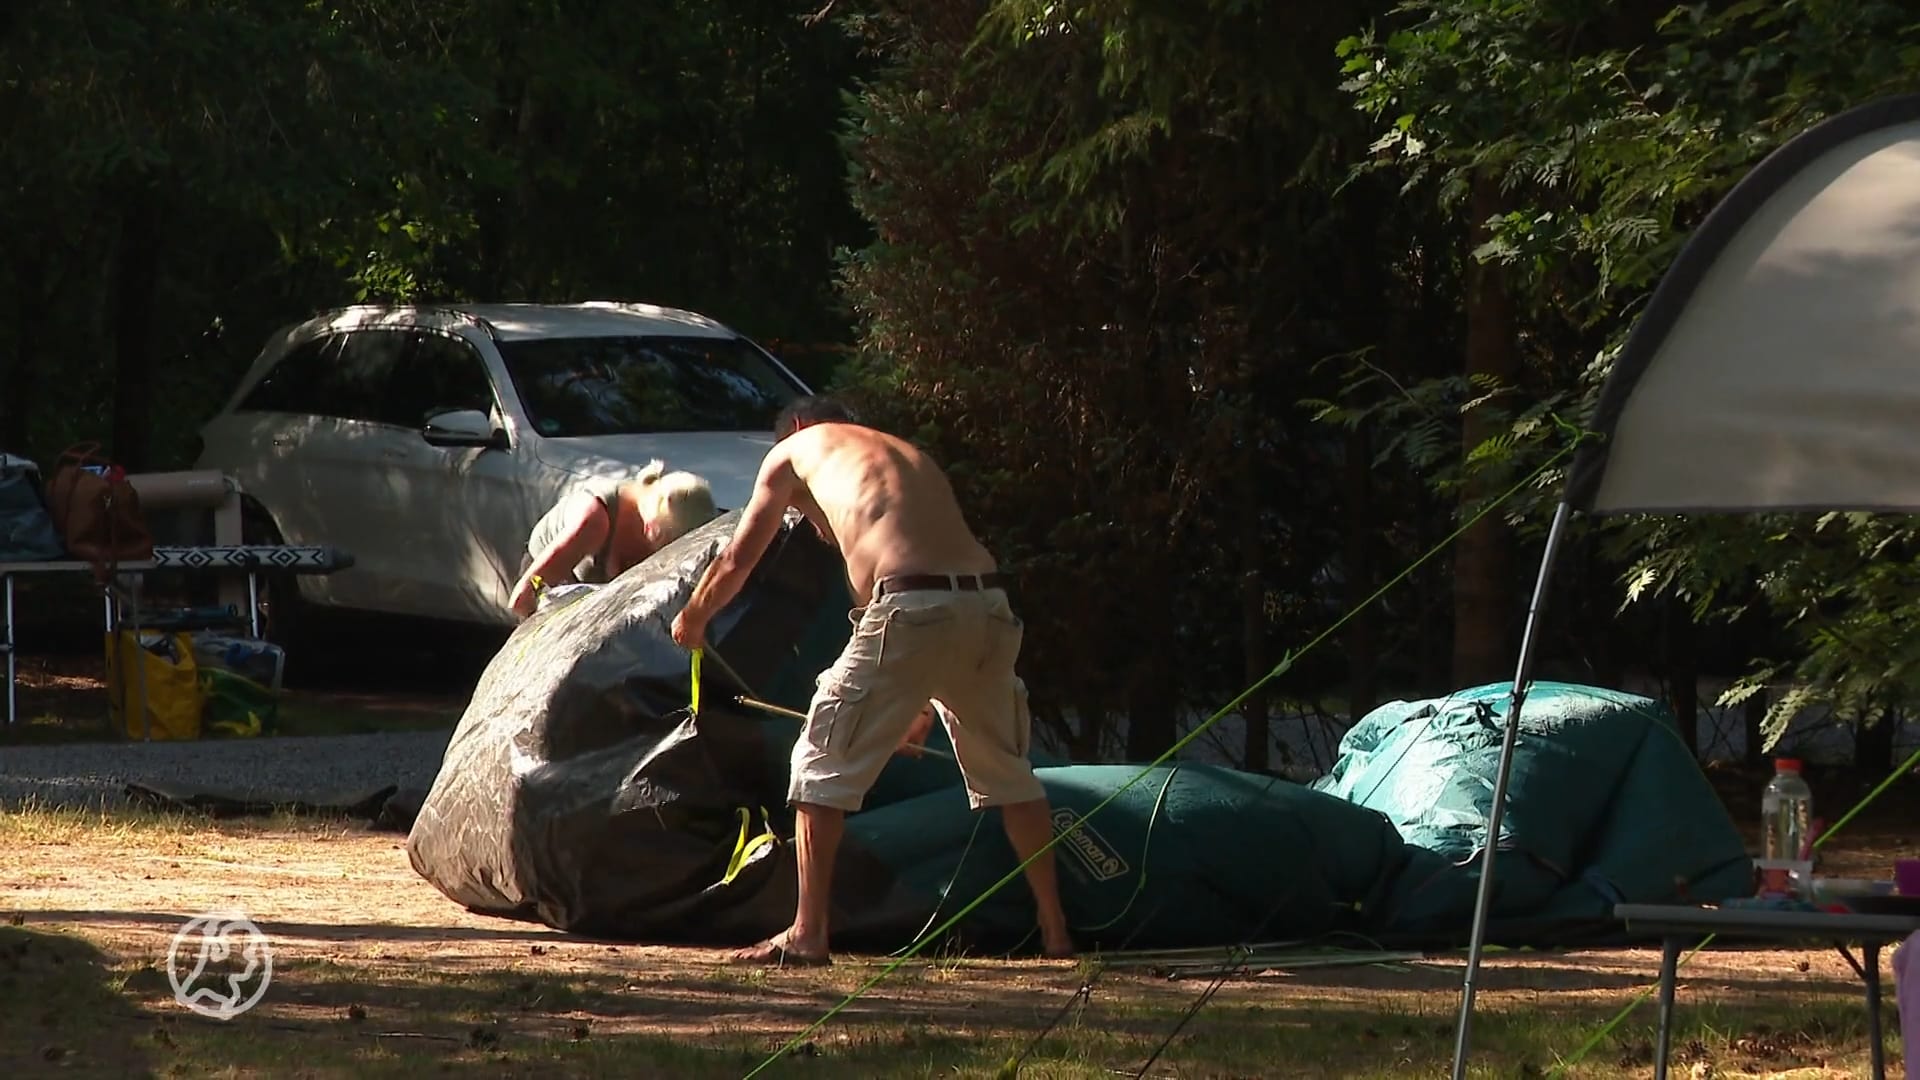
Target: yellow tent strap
{"points": [[693, 704], [745, 849]]}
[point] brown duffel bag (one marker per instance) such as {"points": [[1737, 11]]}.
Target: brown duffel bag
{"points": [[97, 511]]}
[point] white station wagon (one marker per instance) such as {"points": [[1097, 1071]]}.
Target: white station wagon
{"points": [[426, 441]]}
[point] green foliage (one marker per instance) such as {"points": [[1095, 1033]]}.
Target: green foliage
{"points": [[1105, 262], [294, 157], [1609, 132]]}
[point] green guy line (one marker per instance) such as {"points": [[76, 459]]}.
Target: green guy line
{"points": [[1646, 992], [1278, 669], [1619, 1017]]}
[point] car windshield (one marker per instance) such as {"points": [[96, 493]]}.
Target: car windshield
{"points": [[630, 385]]}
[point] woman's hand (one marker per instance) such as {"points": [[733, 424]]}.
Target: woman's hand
{"points": [[525, 598]]}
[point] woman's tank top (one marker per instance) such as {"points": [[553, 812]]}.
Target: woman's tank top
{"points": [[591, 570]]}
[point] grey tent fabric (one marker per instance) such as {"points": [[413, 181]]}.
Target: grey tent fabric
{"points": [[575, 787], [1778, 364]]}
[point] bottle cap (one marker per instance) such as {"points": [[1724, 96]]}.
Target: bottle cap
{"points": [[1786, 764]]}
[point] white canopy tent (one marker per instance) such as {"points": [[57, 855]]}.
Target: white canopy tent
{"points": [[1776, 368]]}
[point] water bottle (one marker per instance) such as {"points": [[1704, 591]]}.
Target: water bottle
{"points": [[1786, 816]]}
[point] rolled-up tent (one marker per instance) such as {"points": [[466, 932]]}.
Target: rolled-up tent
{"points": [[1776, 368]]}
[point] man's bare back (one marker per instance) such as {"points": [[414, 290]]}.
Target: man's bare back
{"points": [[885, 504]]}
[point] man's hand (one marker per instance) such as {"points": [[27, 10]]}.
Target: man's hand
{"points": [[917, 732], [689, 632]]}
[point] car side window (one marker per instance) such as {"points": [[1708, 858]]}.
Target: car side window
{"points": [[370, 363], [295, 383], [441, 374]]}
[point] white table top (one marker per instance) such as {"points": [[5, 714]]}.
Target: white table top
{"points": [[66, 565]]}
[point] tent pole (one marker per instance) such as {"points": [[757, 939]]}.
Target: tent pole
{"points": [[1484, 902]]}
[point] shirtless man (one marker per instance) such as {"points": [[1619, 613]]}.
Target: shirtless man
{"points": [[937, 625]]}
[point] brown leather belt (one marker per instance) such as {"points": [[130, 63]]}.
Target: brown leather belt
{"points": [[942, 582]]}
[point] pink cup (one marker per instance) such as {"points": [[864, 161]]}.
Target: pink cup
{"points": [[1906, 877]]}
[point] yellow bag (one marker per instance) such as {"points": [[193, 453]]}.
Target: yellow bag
{"points": [[160, 669]]}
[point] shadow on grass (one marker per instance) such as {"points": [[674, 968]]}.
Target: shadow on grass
{"points": [[61, 1009], [324, 931], [346, 1018], [66, 1004]]}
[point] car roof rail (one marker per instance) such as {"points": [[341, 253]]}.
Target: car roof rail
{"points": [[438, 309], [462, 313]]}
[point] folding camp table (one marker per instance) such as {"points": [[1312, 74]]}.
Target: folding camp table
{"points": [[1679, 924], [250, 558]]}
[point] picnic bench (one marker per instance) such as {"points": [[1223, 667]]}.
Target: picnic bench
{"points": [[120, 595]]}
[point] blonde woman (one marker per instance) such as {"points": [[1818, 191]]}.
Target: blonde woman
{"points": [[600, 528]]}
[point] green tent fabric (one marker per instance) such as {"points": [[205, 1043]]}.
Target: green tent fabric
{"points": [[1429, 766], [1189, 855], [1606, 805], [1665, 835]]}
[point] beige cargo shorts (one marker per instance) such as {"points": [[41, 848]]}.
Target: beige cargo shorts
{"points": [[908, 647]]}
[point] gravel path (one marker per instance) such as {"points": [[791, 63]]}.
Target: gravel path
{"points": [[310, 768]]}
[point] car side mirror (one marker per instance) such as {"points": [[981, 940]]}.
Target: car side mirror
{"points": [[463, 428]]}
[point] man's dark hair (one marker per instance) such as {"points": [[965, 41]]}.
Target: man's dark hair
{"points": [[814, 409]]}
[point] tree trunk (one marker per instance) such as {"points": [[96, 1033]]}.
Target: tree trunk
{"points": [[1085, 738], [1483, 596], [1362, 663], [1434, 649], [1253, 601], [135, 279], [1152, 693], [1151, 708], [1253, 610], [1683, 673], [18, 387]]}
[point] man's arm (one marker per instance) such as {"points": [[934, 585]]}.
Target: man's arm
{"points": [[729, 570], [587, 531]]}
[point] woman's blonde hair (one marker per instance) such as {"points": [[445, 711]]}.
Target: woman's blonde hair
{"points": [[675, 502]]}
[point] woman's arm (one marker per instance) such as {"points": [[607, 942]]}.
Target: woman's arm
{"points": [[586, 529]]}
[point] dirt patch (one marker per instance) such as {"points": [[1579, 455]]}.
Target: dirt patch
{"points": [[366, 951]]}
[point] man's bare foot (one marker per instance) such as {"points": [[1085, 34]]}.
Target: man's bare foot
{"points": [[1058, 948], [779, 951]]}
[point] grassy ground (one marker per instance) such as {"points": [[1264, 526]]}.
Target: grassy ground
{"points": [[93, 1012], [376, 974]]}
